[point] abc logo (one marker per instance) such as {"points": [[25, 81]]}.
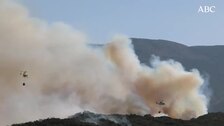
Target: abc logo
{"points": [[206, 9]]}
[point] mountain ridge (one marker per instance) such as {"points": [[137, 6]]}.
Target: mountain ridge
{"points": [[92, 119]]}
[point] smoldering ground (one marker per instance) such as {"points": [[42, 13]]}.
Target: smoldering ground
{"points": [[68, 76]]}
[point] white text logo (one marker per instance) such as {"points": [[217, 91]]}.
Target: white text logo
{"points": [[206, 9]]}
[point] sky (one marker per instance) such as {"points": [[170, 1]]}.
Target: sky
{"points": [[100, 20]]}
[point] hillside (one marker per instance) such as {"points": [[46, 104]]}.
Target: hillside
{"points": [[91, 119], [207, 59]]}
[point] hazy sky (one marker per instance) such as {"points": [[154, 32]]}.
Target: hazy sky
{"points": [[176, 20]]}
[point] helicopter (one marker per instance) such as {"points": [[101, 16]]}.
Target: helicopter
{"points": [[25, 75], [161, 103]]}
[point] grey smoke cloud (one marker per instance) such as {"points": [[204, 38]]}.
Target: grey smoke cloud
{"points": [[68, 76]]}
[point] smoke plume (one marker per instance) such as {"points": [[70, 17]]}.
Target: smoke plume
{"points": [[66, 75]]}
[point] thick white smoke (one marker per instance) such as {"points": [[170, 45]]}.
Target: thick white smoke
{"points": [[66, 75]]}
